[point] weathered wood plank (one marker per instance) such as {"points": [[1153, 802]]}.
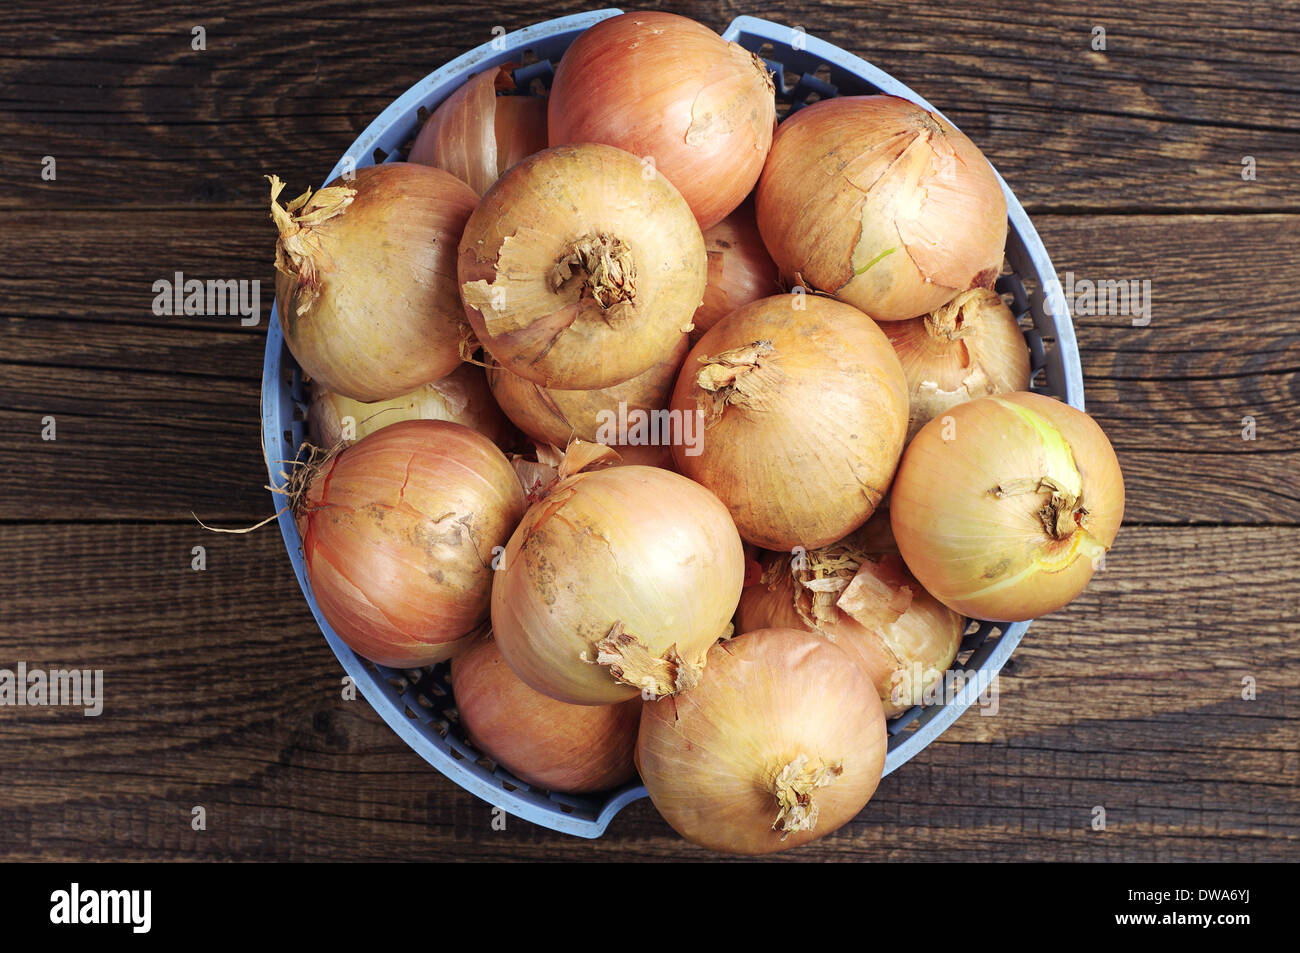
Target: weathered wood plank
{"points": [[1161, 118], [219, 691]]}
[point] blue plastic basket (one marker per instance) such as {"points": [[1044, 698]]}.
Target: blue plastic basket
{"points": [[418, 704]]}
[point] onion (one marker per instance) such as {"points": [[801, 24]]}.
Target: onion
{"points": [[617, 583], [740, 269], [882, 204], [366, 279], [971, 347], [398, 534], [780, 744], [1004, 507], [670, 89], [462, 397], [804, 407], [545, 743], [868, 605], [476, 134], [578, 271], [557, 416]]}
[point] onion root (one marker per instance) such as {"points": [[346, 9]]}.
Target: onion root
{"points": [[632, 663], [793, 788]]}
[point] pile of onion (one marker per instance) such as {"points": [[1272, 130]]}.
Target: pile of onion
{"points": [[1004, 507], [740, 269], [882, 204], [546, 743], [366, 278], [866, 603], [616, 584], [476, 134], [666, 88], [684, 423], [463, 397], [399, 533], [804, 408], [781, 743], [581, 268], [971, 347]]}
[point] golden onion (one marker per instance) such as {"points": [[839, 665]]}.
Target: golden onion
{"points": [[581, 268], [882, 204], [1004, 507]]}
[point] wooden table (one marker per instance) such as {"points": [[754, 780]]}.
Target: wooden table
{"points": [[221, 693]]}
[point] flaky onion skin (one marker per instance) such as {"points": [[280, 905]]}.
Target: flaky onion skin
{"points": [[882, 204], [868, 605], [804, 409], [971, 347], [616, 584], [462, 397], [668, 88], [366, 279], [782, 743], [581, 268], [556, 416], [1004, 507], [398, 536], [476, 135], [548, 744]]}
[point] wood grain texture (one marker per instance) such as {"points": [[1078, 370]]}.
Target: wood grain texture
{"points": [[1162, 118], [220, 690]]}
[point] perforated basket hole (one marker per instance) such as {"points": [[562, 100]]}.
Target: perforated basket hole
{"points": [[529, 57], [422, 115], [379, 155]]}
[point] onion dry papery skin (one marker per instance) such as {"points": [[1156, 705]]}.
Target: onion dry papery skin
{"points": [[668, 88], [463, 397], [555, 416], [740, 269], [546, 743], [869, 605], [1003, 508], [882, 204], [366, 279], [398, 535], [780, 744], [581, 268], [804, 409], [476, 135], [971, 347], [616, 584]]}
